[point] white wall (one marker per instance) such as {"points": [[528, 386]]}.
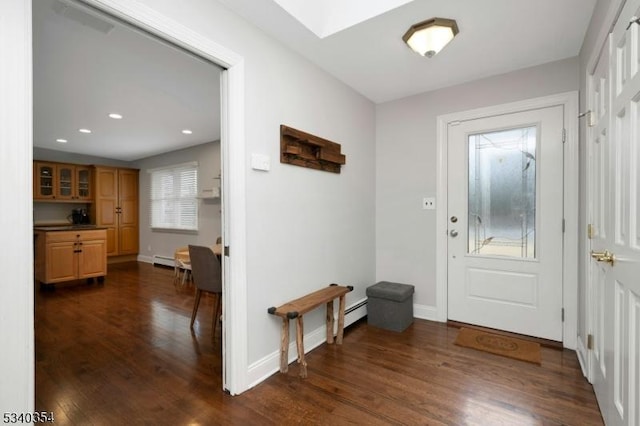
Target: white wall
{"points": [[16, 284], [305, 228], [406, 167], [157, 242]]}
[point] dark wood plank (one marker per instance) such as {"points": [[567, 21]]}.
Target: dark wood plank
{"points": [[122, 353], [308, 302]]}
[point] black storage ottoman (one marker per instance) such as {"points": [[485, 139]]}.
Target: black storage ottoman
{"points": [[390, 305]]}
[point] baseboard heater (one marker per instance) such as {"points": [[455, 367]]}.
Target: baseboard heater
{"points": [[163, 260], [354, 307]]}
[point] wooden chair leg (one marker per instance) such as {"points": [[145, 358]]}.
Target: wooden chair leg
{"points": [[195, 306], [216, 312]]}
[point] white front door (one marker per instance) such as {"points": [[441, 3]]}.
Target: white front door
{"points": [[614, 214], [505, 213]]}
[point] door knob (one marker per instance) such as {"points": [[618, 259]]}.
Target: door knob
{"points": [[453, 233], [604, 256]]}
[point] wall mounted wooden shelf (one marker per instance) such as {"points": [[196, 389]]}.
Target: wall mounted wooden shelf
{"points": [[303, 149]]}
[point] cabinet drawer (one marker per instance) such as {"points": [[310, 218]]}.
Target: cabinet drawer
{"points": [[60, 236]]}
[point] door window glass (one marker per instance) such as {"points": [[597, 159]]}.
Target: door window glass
{"points": [[502, 193]]}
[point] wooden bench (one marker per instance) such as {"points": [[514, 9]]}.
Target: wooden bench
{"points": [[297, 308]]}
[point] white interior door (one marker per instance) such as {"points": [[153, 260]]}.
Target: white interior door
{"points": [[615, 219], [598, 200], [505, 208]]}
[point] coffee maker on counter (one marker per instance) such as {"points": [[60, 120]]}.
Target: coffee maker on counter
{"points": [[79, 217]]}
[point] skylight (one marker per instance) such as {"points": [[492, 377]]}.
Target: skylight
{"points": [[328, 17]]}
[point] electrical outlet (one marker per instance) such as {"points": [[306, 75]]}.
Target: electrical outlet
{"points": [[428, 203]]}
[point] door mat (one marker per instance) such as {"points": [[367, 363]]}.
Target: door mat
{"points": [[500, 345]]}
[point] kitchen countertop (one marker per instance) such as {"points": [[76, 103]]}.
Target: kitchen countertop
{"points": [[66, 227]]}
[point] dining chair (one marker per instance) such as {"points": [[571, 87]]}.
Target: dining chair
{"points": [[207, 276], [182, 265]]}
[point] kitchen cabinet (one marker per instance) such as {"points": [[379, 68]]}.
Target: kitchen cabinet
{"points": [[116, 208], [44, 180], [70, 255], [61, 182]]}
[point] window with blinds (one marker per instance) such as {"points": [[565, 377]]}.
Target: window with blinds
{"points": [[174, 203]]}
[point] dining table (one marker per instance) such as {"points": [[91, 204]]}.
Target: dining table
{"points": [[183, 255]]}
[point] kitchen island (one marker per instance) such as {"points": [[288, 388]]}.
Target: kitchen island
{"points": [[70, 252]]}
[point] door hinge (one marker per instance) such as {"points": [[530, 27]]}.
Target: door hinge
{"points": [[564, 135], [226, 251], [562, 314], [590, 341], [564, 225], [590, 231]]}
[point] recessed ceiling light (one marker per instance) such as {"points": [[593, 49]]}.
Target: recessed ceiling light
{"points": [[115, 116], [61, 140], [187, 131], [84, 130]]}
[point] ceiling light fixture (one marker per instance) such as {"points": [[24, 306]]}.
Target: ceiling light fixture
{"points": [[187, 132], [115, 116], [428, 37], [61, 140], [84, 130]]}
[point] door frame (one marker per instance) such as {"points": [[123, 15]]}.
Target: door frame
{"points": [[569, 100], [235, 363]]}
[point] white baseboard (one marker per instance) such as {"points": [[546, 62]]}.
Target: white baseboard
{"points": [[265, 367], [426, 312], [583, 356]]}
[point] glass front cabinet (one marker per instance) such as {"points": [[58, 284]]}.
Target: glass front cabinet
{"points": [[83, 183], [63, 182], [44, 181]]}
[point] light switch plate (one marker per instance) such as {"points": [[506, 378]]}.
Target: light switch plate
{"points": [[429, 203], [260, 162]]}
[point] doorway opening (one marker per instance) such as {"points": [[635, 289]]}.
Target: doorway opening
{"points": [[232, 149]]}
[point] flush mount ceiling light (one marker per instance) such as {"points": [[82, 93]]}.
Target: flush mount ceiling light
{"points": [[115, 116], [428, 37], [61, 140], [84, 130], [187, 132]]}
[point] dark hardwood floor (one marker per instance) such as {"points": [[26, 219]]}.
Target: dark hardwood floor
{"points": [[122, 353]]}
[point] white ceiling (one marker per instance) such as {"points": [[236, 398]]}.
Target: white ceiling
{"points": [[82, 73], [496, 36]]}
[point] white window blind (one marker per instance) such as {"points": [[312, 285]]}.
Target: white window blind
{"points": [[173, 197]]}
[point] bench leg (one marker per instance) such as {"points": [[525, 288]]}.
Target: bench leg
{"points": [[330, 322], [300, 344], [284, 346], [340, 321]]}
